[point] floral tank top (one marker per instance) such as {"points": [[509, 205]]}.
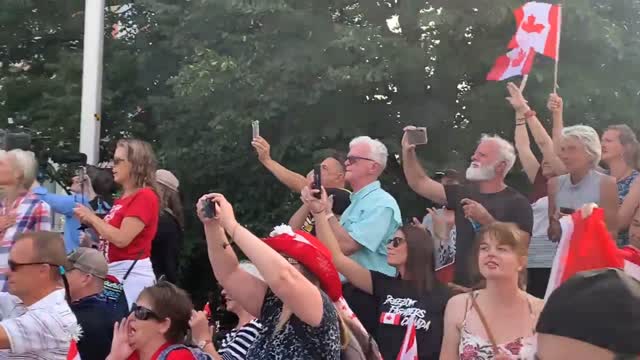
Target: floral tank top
{"points": [[473, 347]]}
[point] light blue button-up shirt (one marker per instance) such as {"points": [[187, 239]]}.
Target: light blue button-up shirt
{"points": [[371, 220]]}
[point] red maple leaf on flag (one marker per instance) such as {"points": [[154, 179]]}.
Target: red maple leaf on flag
{"points": [[530, 26], [518, 60]]}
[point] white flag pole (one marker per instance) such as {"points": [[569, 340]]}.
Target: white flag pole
{"points": [[524, 82], [555, 70]]}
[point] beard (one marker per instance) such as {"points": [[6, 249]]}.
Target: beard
{"points": [[482, 173]]}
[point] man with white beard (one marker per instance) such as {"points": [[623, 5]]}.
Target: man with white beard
{"points": [[485, 199]]}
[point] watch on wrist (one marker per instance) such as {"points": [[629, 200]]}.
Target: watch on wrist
{"points": [[202, 344]]}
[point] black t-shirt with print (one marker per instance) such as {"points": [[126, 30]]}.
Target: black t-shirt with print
{"points": [[341, 201], [296, 340], [507, 205], [398, 301]]}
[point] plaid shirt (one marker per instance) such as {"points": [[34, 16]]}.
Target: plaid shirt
{"points": [[32, 214]]}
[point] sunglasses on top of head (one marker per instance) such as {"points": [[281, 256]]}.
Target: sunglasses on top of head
{"points": [[396, 241], [142, 313]]}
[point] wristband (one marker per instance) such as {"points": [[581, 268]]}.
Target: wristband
{"points": [[330, 215]]}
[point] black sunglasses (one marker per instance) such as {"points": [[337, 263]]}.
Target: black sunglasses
{"points": [[354, 159], [142, 313], [14, 266], [396, 241]]}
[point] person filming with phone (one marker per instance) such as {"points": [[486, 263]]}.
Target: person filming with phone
{"points": [[485, 200]]}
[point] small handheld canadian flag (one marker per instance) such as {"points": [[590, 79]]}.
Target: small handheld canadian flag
{"points": [[409, 349], [389, 318], [517, 62], [73, 353]]}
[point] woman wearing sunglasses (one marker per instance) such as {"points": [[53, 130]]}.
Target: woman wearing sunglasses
{"points": [[158, 321], [126, 233], [415, 295]]}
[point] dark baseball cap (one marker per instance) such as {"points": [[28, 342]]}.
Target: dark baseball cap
{"points": [[599, 307], [90, 261]]}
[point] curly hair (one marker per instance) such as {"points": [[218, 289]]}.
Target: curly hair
{"points": [[143, 161]]}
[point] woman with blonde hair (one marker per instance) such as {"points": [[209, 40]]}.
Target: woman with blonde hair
{"points": [[620, 152], [580, 151], [497, 321], [128, 230]]}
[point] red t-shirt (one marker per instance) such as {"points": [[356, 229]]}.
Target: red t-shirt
{"points": [[179, 354], [143, 205]]}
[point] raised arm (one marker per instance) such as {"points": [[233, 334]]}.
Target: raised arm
{"points": [[299, 217], [248, 290], [290, 179], [62, 204], [416, 177], [357, 275], [609, 203], [286, 282]]}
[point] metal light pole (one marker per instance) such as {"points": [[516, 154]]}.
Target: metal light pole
{"points": [[90, 113]]}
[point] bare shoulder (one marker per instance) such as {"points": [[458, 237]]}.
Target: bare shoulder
{"points": [[608, 180], [457, 304], [536, 304]]}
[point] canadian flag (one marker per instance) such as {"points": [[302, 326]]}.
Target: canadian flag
{"points": [[516, 62], [631, 257], [73, 353], [389, 318], [585, 245], [409, 349], [538, 28]]}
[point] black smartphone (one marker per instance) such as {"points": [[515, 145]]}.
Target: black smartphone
{"points": [[209, 208], [567, 211], [317, 180]]}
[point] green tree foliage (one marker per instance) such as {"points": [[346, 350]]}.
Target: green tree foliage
{"points": [[194, 74]]}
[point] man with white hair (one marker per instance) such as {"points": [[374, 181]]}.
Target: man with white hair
{"points": [[486, 199], [373, 217], [20, 209]]}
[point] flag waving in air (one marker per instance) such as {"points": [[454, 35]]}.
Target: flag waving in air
{"points": [[538, 28], [516, 62]]}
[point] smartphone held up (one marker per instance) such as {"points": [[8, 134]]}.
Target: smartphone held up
{"points": [[255, 127], [209, 208], [417, 136], [317, 181]]}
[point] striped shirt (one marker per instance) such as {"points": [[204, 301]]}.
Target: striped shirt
{"points": [[40, 331], [238, 341], [32, 214]]}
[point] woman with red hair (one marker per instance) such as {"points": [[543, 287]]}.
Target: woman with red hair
{"points": [[294, 302]]}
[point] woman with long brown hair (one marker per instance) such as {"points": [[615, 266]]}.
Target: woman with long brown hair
{"points": [[413, 296], [127, 231], [497, 321], [168, 241]]}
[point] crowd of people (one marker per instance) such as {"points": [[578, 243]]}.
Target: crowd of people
{"points": [[345, 278]]}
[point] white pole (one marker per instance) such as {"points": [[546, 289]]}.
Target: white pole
{"points": [[90, 112]]}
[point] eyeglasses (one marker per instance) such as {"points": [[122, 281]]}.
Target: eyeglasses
{"points": [[396, 241], [354, 159], [142, 313], [14, 266], [118, 161]]}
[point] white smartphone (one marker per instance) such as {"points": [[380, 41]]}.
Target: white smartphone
{"points": [[255, 126], [417, 136]]}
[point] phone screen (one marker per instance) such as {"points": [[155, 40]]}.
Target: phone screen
{"points": [[255, 127], [417, 136], [317, 180]]}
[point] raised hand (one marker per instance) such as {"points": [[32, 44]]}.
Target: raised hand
{"points": [[262, 148], [516, 99]]}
